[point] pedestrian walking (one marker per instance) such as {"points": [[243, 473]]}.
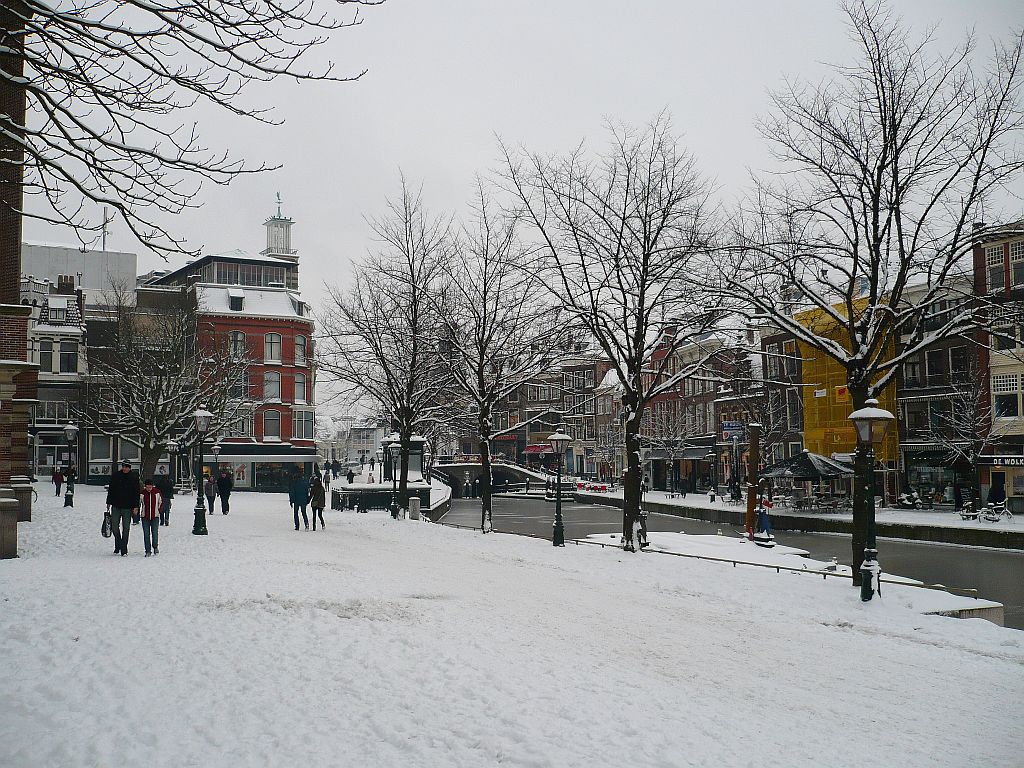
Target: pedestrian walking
{"points": [[317, 500], [166, 488], [224, 487], [298, 495], [122, 503], [335, 469], [373, 461], [362, 462], [351, 476], [57, 479], [152, 500], [210, 491]]}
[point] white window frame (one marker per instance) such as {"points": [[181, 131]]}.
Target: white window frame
{"points": [[270, 340], [300, 359], [268, 377], [300, 391], [277, 417]]}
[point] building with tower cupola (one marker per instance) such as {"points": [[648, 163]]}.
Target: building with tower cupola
{"points": [[253, 301]]}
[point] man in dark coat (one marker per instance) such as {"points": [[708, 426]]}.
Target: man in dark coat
{"points": [[224, 486], [298, 496], [335, 468], [166, 487], [122, 504]]}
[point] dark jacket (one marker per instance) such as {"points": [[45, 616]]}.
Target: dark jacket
{"points": [[123, 491], [298, 490], [225, 484], [164, 485], [317, 495]]}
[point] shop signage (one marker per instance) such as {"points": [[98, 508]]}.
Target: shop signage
{"points": [[732, 429], [842, 394], [1005, 461], [820, 392], [504, 437]]}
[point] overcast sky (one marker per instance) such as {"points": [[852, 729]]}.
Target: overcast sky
{"points": [[446, 77]]}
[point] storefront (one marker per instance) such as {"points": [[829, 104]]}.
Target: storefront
{"points": [[1006, 473], [927, 469]]}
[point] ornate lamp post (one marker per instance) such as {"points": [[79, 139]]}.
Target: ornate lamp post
{"points": [[380, 462], [172, 460], [872, 423], [216, 458], [202, 417], [70, 434], [425, 462], [33, 457], [395, 449], [714, 480], [559, 440]]}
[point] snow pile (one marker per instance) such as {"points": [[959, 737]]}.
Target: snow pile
{"points": [[397, 643]]}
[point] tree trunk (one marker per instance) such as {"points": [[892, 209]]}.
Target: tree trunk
{"points": [[631, 481], [485, 475], [863, 482], [150, 458], [403, 467]]}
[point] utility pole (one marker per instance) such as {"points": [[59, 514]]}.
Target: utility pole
{"points": [[753, 464]]}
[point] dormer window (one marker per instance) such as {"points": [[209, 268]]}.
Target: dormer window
{"points": [[236, 300]]}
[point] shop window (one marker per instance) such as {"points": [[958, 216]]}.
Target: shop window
{"points": [[128, 450], [272, 425], [99, 448]]}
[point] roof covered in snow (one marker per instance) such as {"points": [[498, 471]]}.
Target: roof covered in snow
{"points": [[256, 302]]}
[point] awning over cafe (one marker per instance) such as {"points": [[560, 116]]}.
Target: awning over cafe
{"points": [[538, 448]]}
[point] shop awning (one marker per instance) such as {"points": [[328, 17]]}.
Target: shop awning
{"points": [[696, 453], [538, 448]]}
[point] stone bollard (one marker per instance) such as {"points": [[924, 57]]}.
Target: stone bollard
{"points": [[414, 508], [8, 528], [23, 493]]}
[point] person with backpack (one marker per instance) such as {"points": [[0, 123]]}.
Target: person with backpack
{"points": [[152, 501], [224, 486], [317, 500], [122, 504], [298, 496], [210, 491]]}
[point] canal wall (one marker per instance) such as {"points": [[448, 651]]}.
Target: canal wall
{"points": [[734, 515]]}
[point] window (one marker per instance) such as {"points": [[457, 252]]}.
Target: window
{"points": [[1006, 395], [271, 385], [959, 361], [69, 357], [916, 418], [791, 358], [994, 265], [46, 356], [1006, 338], [128, 451], [939, 412], [57, 314], [99, 448], [935, 361], [227, 274], [300, 388], [300, 350], [302, 425], [236, 343], [248, 274], [273, 276], [912, 371], [272, 348], [235, 303], [793, 406], [241, 427], [272, 425], [1017, 263]]}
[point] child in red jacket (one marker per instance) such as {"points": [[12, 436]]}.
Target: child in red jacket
{"points": [[152, 500]]}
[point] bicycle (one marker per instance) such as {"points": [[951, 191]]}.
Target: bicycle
{"points": [[996, 512]]}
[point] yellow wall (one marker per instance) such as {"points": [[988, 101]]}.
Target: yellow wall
{"points": [[827, 427]]}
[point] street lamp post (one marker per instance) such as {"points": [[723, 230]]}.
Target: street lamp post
{"points": [[216, 463], [395, 449], [70, 434], [714, 480], [380, 462], [202, 417], [559, 440], [172, 461], [872, 423], [33, 457]]}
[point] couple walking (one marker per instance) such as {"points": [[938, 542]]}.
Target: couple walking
{"points": [[126, 500], [312, 492], [222, 487]]}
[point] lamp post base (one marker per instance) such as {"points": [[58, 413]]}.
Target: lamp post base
{"points": [[199, 527], [69, 498], [870, 571]]}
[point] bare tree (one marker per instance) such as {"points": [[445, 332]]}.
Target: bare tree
{"points": [[97, 98], [887, 165], [379, 339], [155, 367], [622, 244], [670, 433], [495, 322]]}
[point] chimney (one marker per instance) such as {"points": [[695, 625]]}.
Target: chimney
{"points": [[66, 285]]}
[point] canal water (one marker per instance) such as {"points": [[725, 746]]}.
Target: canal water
{"points": [[997, 574]]}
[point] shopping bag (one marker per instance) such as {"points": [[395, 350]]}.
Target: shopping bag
{"points": [[105, 528]]}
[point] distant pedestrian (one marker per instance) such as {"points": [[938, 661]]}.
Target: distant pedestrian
{"points": [[57, 479], [122, 503], [351, 476], [210, 491], [373, 461], [335, 469], [317, 500], [958, 496], [362, 462], [166, 488], [298, 496], [224, 486], [150, 512]]}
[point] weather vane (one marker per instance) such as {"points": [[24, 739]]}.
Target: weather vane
{"points": [[279, 205]]}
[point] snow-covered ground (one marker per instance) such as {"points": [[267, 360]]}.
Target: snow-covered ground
{"points": [[398, 643], [944, 518]]}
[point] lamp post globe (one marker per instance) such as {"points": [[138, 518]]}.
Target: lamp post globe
{"points": [[710, 458], [70, 435], [558, 440], [216, 457], [202, 422], [872, 423]]}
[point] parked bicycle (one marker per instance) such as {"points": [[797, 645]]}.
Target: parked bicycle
{"points": [[968, 511], [996, 512]]}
